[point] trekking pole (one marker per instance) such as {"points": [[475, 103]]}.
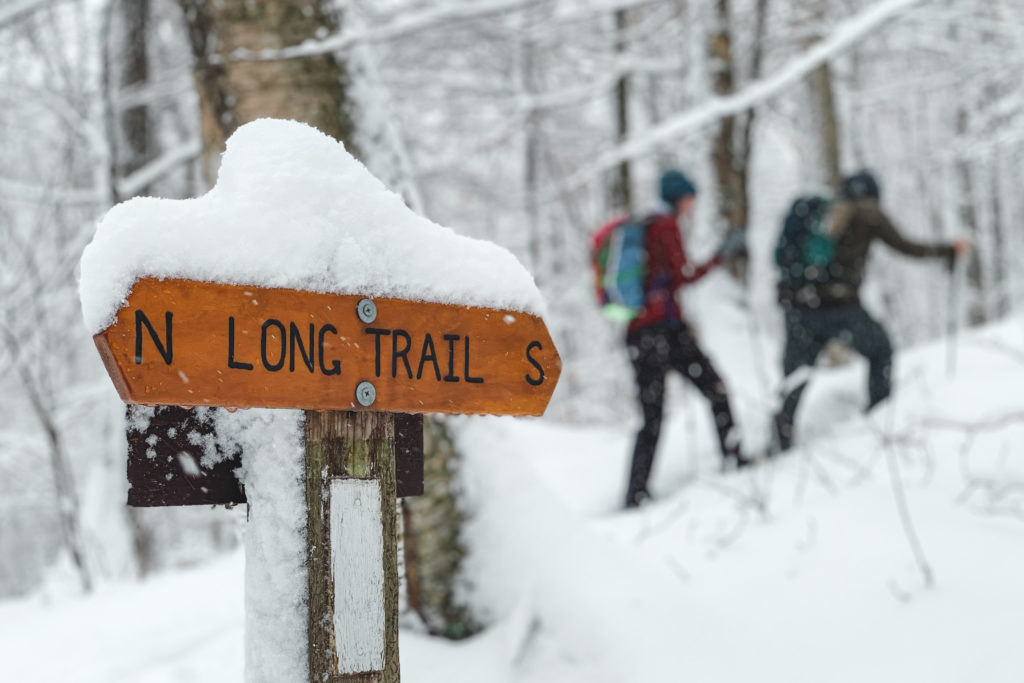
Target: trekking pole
{"points": [[953, 322]]}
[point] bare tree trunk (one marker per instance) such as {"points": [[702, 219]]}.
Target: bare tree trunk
{"points": [[69, 509], [740, 264], [828, 126], [532, 156], [731, 203], [1003, 234], [732, 150], [135, 73], [622, 187], [968, 216], [126, 61], [825, 119]]}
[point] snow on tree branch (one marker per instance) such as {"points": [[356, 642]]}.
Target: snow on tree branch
{"points": [[847, 34], [990, 424], [158, 168], [412, 22], [14, 190], [20, 10], [60, 106]]}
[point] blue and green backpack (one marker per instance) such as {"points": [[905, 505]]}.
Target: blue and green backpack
{"points": [[618, 256], [806, 249]]}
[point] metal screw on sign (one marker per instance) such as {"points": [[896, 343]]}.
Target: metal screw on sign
{"points": [[367, 311], [366, 394]]}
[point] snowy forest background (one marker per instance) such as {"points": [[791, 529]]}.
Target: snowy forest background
{"points": [[524, 122]]}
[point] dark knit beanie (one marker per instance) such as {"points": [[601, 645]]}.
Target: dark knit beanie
{"points": [[675, 186], [859, 185]]}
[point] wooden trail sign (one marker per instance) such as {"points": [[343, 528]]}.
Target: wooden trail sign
{"points": [[187, 343], [357, 366]]}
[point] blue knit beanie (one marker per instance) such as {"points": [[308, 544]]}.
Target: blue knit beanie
{"points": [[675, 186]]}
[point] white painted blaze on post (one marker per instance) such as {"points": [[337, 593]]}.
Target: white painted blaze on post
{"points": [[357, 568]]}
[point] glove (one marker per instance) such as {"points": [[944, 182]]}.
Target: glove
{"points": [[958, 247], [734, 244], [950, 258]]}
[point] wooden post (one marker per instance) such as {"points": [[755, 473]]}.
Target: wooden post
{"points": [[352, 556], [184, 342]]}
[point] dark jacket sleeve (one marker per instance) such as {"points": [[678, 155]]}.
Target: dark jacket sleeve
{"points": [[884, 230]]}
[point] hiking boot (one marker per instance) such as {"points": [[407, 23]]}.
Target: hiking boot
{"points": [[782, 435], [736, 461], [635, 499]]}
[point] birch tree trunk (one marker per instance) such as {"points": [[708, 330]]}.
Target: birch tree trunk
{"points": [[232, 91], [313, 90]]}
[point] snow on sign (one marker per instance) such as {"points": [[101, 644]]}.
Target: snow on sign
{"points": [[180, 342], [300, 281], [250, 295]]}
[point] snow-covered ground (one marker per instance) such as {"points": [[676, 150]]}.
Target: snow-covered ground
{"points": [[801, 570]]}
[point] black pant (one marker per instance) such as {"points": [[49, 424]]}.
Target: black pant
{"points": [[654, 351], [807, 332]]}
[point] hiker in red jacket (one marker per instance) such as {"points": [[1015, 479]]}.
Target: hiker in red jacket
{"points": [[659, 339]]}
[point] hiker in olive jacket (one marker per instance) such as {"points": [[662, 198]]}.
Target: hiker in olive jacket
{"points": [[829, 307]]}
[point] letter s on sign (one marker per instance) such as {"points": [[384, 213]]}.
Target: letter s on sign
{"points": [[534, 381]]}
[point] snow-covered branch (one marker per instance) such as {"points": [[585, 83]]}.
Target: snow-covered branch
{"points": [[19, 10], [846, 35], [568, 97], [404, 24], [986, 425], [19, 191], [149, 94], [76, 122], [414, 22], [158, 168]]}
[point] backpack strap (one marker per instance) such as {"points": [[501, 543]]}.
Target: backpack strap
{"points": [[839, 219]]}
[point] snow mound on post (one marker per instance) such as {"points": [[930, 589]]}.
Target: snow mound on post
{"points": [[293, 209]]}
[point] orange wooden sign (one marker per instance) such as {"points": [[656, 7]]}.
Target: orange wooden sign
{"points": [[180, 342]]}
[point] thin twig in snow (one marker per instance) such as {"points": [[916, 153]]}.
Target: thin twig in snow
{"points": [[900, 496], [677, 568], [733, 534], [655, 527]]}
